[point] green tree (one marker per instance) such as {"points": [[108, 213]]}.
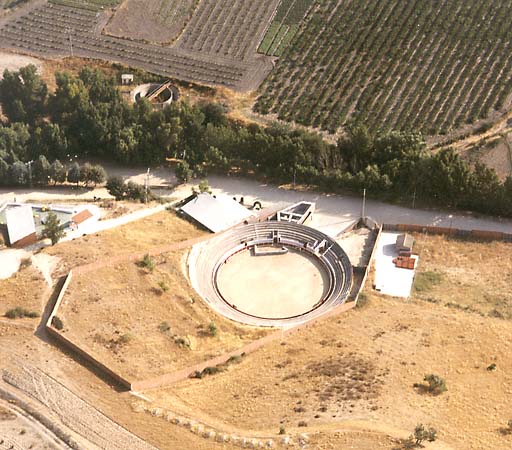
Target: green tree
{"points": [[57, 172], [116, 187], [14, 140], [135, 191], [97, 174], [53, 229], [23, 95], [18, 173], [49, 140], [183, 172], [74, 174], [41, 170], [4, 172], [86, 173]]}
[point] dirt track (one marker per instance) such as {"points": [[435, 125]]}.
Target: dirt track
{"points": [[73, 412]]}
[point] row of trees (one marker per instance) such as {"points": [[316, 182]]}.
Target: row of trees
{"points": [[40, 172], [87, 117]]}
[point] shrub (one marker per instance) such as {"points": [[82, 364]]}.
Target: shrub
{"points": [[436, 384], [164, 327], [20, 313], [147, 263], [302, 423], [163, 285], [210, 370], [282, 429], [181, 341], [125, 338], [212, 329], [422, 434], [25, 262], [57, 323], [183, 172]]}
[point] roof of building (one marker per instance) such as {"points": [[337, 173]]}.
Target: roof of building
{"points": [[216, 213], [20, 222], [405, 240]]}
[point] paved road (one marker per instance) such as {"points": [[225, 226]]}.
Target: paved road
{"points": [[334, 212]]}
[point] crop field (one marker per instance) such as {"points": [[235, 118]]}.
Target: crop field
{"points": [[154, 21], [93, 5], [285, 25], [58, 30], [210, 50], [431, 66], [229, 28]]}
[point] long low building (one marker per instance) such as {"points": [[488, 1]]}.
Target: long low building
{"points": [[216, 213]]}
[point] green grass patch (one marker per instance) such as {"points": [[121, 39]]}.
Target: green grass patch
{"points": [[425, 281]]}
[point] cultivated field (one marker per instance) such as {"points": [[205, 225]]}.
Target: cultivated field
{"points": [[432, 66], [154, 20], [225, 56], [227, 27], [285, 25]]}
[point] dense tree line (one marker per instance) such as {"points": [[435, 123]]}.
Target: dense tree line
{"points": [[87, 116]]}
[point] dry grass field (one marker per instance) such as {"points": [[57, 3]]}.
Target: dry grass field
{"points": [[347, 381], [154, 231], [146, 323], [472, 276], [24, 289], [354, 374]]}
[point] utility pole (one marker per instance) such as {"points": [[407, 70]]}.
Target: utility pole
{"points": [[29, 164], [414, 197], [146, 186], [363, 210], [70, 41], [294, 176]]}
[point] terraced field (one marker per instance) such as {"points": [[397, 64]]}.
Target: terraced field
{"points": [[433, 66]]}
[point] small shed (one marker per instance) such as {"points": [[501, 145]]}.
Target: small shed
{"points": [[404, 243], [126, 78]]}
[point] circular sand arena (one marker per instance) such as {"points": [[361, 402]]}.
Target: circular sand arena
{"points": [[271, 273], [272, 284]]}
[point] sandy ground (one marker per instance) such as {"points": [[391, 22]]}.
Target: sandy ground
{"points": [[10, 261], [19, 432], [389, 279], [272, 286]]}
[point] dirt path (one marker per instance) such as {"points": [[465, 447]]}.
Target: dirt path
{"points": [[74, 413]]}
